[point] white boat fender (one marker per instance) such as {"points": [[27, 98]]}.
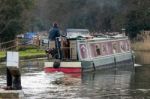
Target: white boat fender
{"points": [[56, 64]]}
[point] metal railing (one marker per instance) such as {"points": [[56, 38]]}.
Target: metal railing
{"points": [[65, 53]]}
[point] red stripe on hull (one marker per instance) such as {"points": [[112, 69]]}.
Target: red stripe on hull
{"points": [[61, 69], [74, 72]]}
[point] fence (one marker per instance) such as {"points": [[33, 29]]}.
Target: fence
{"points": [[9, 45], [17, 43]]}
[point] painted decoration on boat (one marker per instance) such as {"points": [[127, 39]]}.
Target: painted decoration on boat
{"points": [[104, 48], [115, 47], [95, 49], [100, 49], [83, 51], [123, 46], [128, 45], [110, 49]]}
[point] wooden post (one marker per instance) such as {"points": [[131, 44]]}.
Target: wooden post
{"points": [[13, 72], [17, 43], [0, 44]]}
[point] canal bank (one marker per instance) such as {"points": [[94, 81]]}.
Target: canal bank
{"points": [[25, 54], [25, 57]]}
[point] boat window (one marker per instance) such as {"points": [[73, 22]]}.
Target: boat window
{"points": [[65, 48], [122, 46], [128, 45], [95, 49], [104, 48], [98, 50], [115, 47], [83, 51]]}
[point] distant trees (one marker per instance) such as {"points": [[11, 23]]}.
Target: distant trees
{"points": [[99, 15], [138, 18], [12, 17], [96, 15]]}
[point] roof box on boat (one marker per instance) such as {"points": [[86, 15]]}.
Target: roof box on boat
{"points": [[74, 33]]}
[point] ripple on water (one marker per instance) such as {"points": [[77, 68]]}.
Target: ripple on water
{"points": [[41, 84]]}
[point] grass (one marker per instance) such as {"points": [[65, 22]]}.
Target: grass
{"points": [[142, 43], [141, 46], [31, 52], [26, 53], [2, 54]]}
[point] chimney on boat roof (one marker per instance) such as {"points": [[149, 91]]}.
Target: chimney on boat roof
{"points": [[123, 31]]}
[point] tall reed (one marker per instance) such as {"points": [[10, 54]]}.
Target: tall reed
{"points": [[142, 42]]}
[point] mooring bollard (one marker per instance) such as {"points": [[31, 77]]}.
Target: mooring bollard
{"points": [[13, 88], [13, 72]]}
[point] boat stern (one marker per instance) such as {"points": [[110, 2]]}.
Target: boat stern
{"points": [[66, 67]]}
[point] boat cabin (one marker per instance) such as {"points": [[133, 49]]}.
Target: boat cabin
{"points": [[78, 44], [79, 52], [68, 49]]}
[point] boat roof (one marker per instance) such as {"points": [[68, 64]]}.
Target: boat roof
{"points": [[77, 30], [83, 34], [74, 33], [105, 38]]}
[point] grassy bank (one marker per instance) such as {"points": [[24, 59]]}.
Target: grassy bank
{"points": [[142, 43], [141, 46], [26, 54]]}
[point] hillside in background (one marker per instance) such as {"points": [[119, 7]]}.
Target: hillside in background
{"points": [[96, 15]]}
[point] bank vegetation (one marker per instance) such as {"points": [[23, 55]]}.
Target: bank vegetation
{"points": [[20, 16], [142, 42]]}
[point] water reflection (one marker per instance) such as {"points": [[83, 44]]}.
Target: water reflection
{"points": [[120, 83], [107, 84], [142, 78]]}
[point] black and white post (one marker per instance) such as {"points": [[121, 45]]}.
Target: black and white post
{"points": [[13, 72]]}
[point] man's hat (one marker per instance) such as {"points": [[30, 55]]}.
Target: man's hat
{"points": [[55, 25]]}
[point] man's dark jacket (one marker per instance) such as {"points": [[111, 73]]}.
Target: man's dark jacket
{"points": [[53, 33]]}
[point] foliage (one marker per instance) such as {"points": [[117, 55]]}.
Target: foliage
{"points": [[138, 19], [96, 15], [2, 54], [11, 17]]}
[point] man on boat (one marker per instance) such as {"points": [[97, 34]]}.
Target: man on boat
{"points": [[54, 35]]}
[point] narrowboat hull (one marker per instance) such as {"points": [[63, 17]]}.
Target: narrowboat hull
{"points": [[106, 62], [90, 53], [66, 67]]}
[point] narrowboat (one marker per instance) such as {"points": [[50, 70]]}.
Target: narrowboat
{"points": [[81, 52]]}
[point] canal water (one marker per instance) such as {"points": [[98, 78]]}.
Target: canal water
{"points": [[119, 83]]}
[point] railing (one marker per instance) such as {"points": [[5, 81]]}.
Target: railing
{"points": [[65, 53], [16, 43], [12, 44]]}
